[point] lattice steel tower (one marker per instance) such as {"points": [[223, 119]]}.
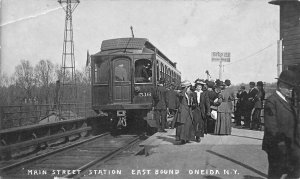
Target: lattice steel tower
{"points": [[68, 91]]}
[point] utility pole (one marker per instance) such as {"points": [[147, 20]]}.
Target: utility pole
{"points": [[220, 57], [68, 79], [220, 70], [279, 57]]}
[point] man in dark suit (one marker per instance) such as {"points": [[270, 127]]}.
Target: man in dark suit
{"points": [[280, 141], [250, 103], [160, 105], [173, 102], [240, 105], [141, 74], [209, 124]]}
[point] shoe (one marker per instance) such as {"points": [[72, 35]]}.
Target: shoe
{"points": [[198, 139], [182, 142]]}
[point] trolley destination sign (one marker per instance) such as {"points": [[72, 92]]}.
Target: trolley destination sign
{"points": [[220, 56]]}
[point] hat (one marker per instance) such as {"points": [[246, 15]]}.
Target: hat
{"points": [[161, 81], [210, 84], [227, 82], [218, 82], [200, 81], [186, 83], [259, 83], [252, 83], [289, 77], [222, 83]]}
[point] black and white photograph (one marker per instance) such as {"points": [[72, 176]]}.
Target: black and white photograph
{"points": [[134, 89]]}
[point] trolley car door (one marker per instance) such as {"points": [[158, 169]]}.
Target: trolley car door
{"points": [[121, 80]]}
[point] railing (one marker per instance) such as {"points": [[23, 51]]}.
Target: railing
{"points": [[261, 111], [21, 115], [32, 126], [20, 138]]}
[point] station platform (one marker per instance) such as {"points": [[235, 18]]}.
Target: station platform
{"points": [[238, 155]]}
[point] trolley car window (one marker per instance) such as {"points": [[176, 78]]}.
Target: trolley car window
{"points": [[157, 71], [161, 70], [121, 70], [143, 71], [101, 71]]}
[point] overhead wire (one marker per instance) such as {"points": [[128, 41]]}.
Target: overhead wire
{"points": [[251, 55]]}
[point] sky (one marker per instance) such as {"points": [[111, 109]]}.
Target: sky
{"points": [[186, 31]]}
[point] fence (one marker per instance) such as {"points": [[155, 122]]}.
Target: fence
{"points": [[21, 115]]}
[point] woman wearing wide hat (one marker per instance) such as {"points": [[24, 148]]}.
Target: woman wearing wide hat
{"points": [[184, 116], [201, 108]]}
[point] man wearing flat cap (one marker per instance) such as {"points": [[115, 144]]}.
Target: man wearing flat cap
{"points": [[281, 137]]}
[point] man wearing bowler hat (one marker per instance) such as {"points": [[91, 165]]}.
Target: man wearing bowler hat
{"points": [[250, 103], [281, 137]]}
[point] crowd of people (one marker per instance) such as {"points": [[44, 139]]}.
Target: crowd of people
{"points": [[249, 105], [202, 108], [207, 107]]}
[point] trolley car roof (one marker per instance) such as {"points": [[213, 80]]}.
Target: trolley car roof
{"points": [[131, 43]]}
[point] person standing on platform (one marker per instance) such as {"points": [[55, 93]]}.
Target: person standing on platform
{"points": [[160, 105], [281, 139], [212, 95], [223, 122], [250, 103], [173, 102], [184, 116], [240, 105], [201, 109], [260, 96]]}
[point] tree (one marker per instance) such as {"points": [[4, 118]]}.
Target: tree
{"points": [[44, 74], [25, 80], [5, 89]]}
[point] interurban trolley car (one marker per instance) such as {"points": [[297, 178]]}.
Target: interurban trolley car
{"points": [[123, 74]]}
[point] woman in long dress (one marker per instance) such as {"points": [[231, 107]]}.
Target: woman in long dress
{"points": [[223, 122], [184, 116], [201, 109]]}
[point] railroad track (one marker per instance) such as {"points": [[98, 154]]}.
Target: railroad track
{"points": [[70, 161]]}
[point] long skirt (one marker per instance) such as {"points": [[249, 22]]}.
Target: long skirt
{"points": [[223, 124], [184, 131], [199, 124]]}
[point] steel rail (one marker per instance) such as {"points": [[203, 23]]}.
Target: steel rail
{"points": [[50, 153], [104, 158]]}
